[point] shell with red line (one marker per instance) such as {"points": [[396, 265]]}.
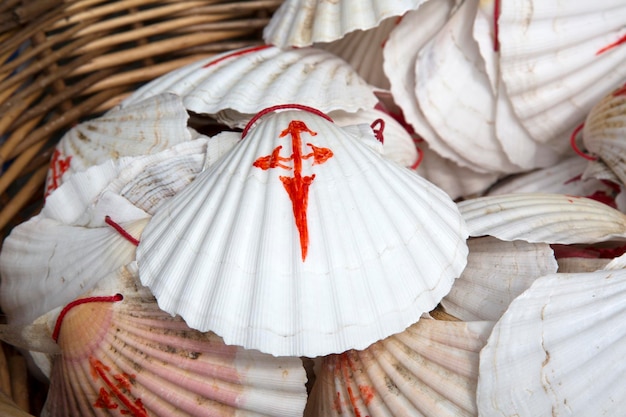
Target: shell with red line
{"points": [[120, 353], [234, 86], [303, 240]]}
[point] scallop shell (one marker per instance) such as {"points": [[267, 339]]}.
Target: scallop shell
{"points": [[128, 357], [454, 179], [400, 53], [69, 246], [398, 144], [548, 218], [605, 131], [454, 94], [557, 59], [305, 22], [562, 178], [364, 51], [147, 126], [496, 273], [558, 349], [430, 369], [372, 247], [234, 86]]}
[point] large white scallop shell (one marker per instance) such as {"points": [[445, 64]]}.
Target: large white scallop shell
{"points": [[558, 350], [148, 126], [430, 369], [496, 273], [604, 134], [234, 86], [127, 357], [69, 246], [557, 59], [305, 22], [548, 218], [361, 256]]}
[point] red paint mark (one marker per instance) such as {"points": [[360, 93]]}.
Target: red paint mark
{"points": [[604, 198], [620, 91], [58, 167], [282, 107], [496, 17], [378, 126], [237, 53], [121, 231], [367, 393], [67, 308], [612, 45], [337, 402], [572, 142], [116, 393], [297, 187], [576, 178], [420, 158]]}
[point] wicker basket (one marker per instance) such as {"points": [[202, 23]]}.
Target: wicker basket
{"points": [[67, 60]]}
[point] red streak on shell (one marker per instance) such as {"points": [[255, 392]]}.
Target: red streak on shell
{"points": [[237, 53], [612, 45], [115, 390]]}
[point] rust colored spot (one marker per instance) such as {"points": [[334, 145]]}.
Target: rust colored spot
{"points": [[113, 395], [297, 187], [58, 167], [367, 393], [237, 53], [620, 91], [612, 45]]}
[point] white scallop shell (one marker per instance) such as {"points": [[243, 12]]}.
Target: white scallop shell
{"points": [[398, 144], [548, 218], [234, 86], [69, 247], [556, 60], [305, 22], [604, 134], [400, 53], [430, 369], [454, 179], [147, 126], [558, 349], [562, 178], [375, 248], [454, 93], [364, 51], [129, 357], [496, 273]]}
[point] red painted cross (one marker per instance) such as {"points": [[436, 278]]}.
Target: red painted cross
{"points": [[58, 166], [297, 187], [116, 395]]}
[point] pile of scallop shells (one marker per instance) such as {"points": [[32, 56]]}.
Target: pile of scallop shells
{"points": [[390, 209]]}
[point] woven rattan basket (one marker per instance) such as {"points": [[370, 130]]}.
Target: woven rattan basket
{"points": [[63, 61]]}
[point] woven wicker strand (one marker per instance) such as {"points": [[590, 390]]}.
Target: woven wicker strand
{"points": [[62, 62]]}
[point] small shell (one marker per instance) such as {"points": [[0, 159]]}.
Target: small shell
{"points": [[430, 369], [303, 253], [129, 357], [604, 134], [148, 126], [557, 59], [305, 22], [234, 86], [69, 247], [558, 350], [496, 273], [548, 218]]}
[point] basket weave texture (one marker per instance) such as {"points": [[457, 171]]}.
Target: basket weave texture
{"points": [[66, 61]]}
